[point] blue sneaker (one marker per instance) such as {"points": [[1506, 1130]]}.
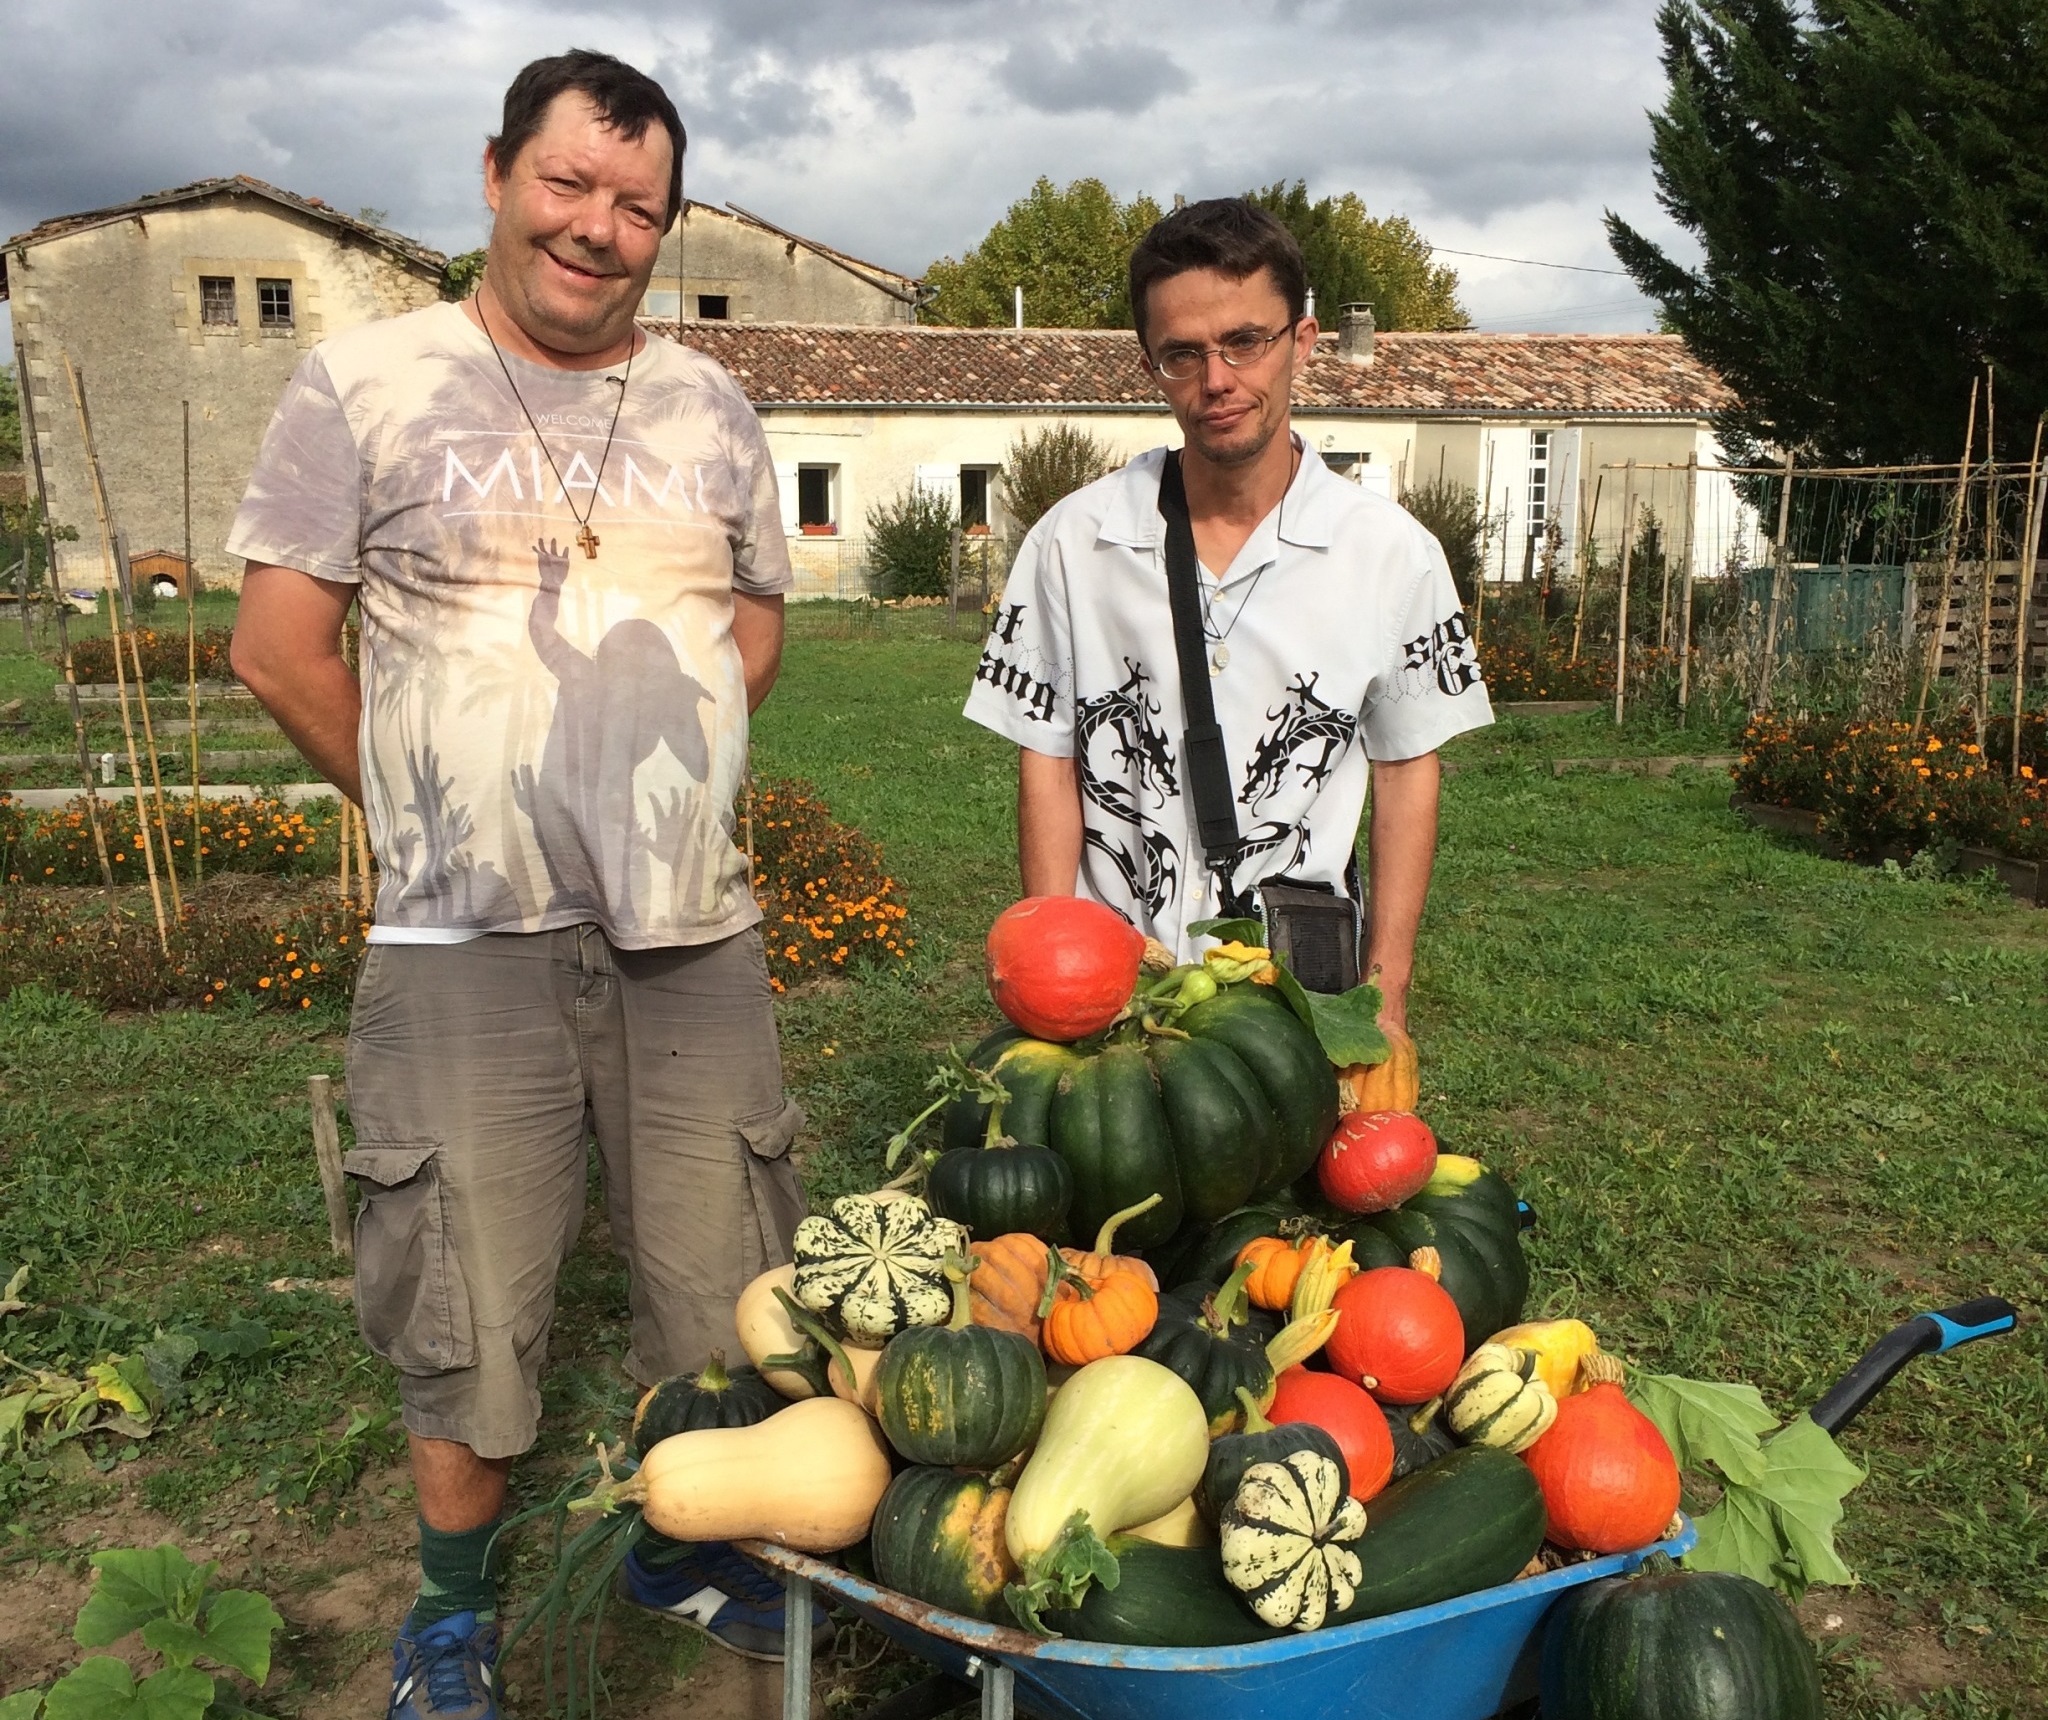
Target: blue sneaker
{"points": [[728, 1597], [445, 1671]]}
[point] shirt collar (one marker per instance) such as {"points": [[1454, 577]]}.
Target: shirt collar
{"points": [[1307, 515]]}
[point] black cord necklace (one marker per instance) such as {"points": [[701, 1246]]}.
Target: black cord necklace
{"points": [[584, 535]]}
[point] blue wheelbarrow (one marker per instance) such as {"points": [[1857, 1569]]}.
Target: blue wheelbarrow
{"points": [[1464, 1659]]}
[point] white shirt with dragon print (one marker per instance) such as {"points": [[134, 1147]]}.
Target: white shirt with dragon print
{"points": [[1341, 640]]}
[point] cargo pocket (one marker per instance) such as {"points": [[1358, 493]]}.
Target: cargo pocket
{"points": [[776, 1193], [411, 1300]]}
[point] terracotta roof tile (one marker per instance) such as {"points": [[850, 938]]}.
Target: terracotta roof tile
{"points": [[1565, 375]]}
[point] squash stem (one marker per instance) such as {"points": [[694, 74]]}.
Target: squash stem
{"points": [[816, 1330], [1254, 1414], [712, 1377], [959, 1269], [1105, 1238], [1058, 1272], [1226, 1307]]}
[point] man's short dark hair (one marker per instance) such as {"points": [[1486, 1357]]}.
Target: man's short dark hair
{"points": [[1228, 234], [626, 99]]}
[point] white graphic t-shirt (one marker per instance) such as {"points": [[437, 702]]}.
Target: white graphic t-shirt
{"points": [[547, 739], [1335, 637]]}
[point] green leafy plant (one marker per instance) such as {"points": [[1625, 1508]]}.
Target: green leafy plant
{"points": [[159, 1593], [336, 1464], [1781, 1495], [1047, 465], [910, 543]]}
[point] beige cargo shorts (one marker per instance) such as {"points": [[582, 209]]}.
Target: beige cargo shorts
{"points": [[476, 1074]]}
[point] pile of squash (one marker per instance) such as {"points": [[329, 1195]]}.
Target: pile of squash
{"points": [[1191, 1338]]}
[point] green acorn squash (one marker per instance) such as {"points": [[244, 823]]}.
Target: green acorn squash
{"points": [[938, 1536], [1002, 1187], [1213, 1346], [1667, 1644], [713, 1397], [1260, 1442], [961, 1395]]}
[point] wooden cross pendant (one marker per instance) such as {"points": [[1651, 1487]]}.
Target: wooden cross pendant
{"points": [[588, 539]]}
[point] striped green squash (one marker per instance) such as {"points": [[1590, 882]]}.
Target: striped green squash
{"points": [[1500, 1399]]}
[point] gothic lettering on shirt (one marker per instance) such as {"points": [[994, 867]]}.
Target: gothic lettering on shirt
{"points": [[1309, 735], [1446, 648], [1126, 761], [1033, 692]]}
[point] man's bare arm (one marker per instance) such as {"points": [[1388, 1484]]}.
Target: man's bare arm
{"points": [[757, 630], [287, 651], [1048, 823], [1401, 849]]}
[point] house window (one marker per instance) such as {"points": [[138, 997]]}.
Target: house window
{"points": [[274, 304], [1539, 482], [815, 509], [714, 307], [977, 484], [217, 301]]}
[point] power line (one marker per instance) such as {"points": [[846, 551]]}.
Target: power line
{"points": [[1528, 262]]}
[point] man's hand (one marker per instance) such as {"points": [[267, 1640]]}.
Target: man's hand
{"points": [[287, 651], [1401, 849], [757, 625], [1048, 823]]}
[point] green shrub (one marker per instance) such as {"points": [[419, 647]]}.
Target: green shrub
{"points": [[1451, 513], [1045, 466], [910, 544]]}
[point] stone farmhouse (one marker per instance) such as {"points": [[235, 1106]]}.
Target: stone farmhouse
{"points": [[729, 265], [1539, 425], [208, 293]]}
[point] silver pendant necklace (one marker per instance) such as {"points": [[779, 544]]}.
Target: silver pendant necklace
{"points": [[1219, 656]]}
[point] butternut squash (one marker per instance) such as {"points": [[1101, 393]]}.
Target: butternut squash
{"points": [[808, 1477], [1183, 1526]]}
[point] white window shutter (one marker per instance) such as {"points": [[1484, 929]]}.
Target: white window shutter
{"points": [[785, 489], [940, 481]]}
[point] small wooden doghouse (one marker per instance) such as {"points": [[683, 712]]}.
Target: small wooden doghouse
{"points": [[147, 570]]}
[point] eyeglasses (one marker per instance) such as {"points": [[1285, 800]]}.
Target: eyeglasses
{"points": [[1179, 363]]}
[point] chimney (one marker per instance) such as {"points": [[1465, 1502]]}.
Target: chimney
{"points": [[1354, 334]]}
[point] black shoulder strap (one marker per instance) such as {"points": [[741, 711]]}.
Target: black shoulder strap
{"points": [[1202, 754]]}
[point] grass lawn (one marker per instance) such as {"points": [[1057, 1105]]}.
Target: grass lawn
{"points": [[1765, 1105]]}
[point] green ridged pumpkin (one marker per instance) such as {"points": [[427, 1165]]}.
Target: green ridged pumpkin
{"points": [[938, 1537], [1234, 1104], [1667, 1644], [1211, 1343], [961, 1395], [1499, 1399]]}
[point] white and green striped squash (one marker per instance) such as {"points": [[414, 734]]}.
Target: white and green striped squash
{"points": [[1500, 1399], [874, 1267], [1283, 1540]]}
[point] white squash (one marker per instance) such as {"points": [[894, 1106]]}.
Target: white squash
{"points": [[1183, 1526]]}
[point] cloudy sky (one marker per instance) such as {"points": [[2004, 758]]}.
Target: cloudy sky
{"points": [[896, 129]]}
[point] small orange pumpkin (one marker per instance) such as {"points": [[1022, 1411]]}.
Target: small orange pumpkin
{"points": [[1091, 1314], [1008, 1283], [1395, 1085], [1276, 1268], [1101, 1258]]}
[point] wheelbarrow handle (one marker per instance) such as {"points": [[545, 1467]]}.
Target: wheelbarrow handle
{"points": [[1924, 1334]]}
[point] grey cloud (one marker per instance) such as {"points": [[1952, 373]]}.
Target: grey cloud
{"points": [[1110, 77]]}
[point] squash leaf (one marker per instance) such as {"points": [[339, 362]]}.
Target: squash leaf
{"points": [[1060, 1577], [1706, 1422], [1781, 1497], [11, 1301], [103, 1688], [22, 1705], [1251, 932], [1347, 1024]]}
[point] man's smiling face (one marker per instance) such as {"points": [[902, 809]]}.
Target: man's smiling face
{"points": [[580, 214]]}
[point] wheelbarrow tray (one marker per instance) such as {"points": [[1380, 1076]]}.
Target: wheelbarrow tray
{"points": [[1462, 1659]]}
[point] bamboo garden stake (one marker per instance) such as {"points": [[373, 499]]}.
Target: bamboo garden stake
{"points": [[1983, 699], [156, 894], [1931, 665], [1692, 482], [2022, 636], [1781, 562], [156, 779], [1592, 519], [1628, 539], [191, 643]]}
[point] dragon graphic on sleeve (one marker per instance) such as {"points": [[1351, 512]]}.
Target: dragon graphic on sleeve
{"points": [[1126, 760]]}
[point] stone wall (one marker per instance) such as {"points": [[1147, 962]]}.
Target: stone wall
{"points": [[762, 276], [122, 301]]}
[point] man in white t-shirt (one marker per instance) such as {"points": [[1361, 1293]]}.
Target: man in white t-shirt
{"points": [[563, 540], [1337, 653]]}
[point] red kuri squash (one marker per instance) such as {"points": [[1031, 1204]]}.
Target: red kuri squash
{"points": [[1398, 1334], [1610, 1483], [1061, 967], [1376, 1159], [1348, 1415]]}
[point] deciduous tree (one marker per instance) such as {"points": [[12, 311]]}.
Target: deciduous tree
{"points": [[1357, 258], [1068, 249]]}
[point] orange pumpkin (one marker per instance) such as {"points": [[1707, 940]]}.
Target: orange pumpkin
{"points": [[1276, 1265], [1101, 1259], [1610, 1483], [1395, 1085], [1008, 1283], [1091, 1314]]}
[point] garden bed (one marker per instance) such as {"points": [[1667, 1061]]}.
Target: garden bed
{"points": [[2025, 880]]}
